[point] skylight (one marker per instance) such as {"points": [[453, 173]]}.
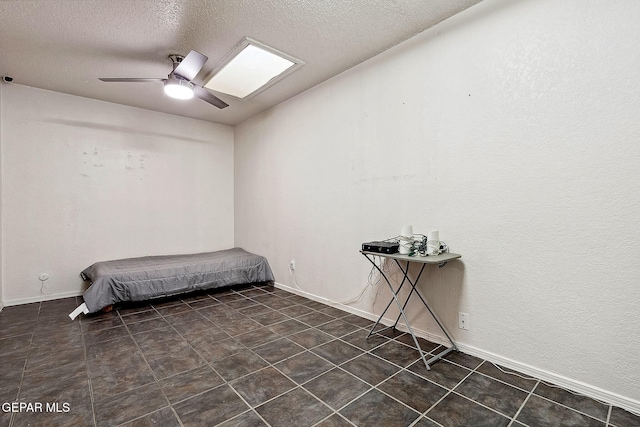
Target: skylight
{"points": [[250, 68]]}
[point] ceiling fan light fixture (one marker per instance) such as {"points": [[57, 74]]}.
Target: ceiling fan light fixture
{"points": [[178, 88]]}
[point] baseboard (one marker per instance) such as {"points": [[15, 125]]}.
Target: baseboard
{"points": [[41, 298], [575, 386]]}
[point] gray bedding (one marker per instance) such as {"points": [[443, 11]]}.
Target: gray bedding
{"points": [[139, 279]]}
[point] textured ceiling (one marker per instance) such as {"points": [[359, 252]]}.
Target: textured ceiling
{"points": [[65, 45]]}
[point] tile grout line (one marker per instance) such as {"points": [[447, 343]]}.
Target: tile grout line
{"points": [[227, 383], [524, 402], [155, 378], [86, 361], [24, 367]]}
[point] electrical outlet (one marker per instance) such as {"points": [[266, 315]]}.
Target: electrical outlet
{"points": [[463, 321], [292, 264]]}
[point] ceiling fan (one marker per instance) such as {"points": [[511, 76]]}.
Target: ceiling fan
{"points": [[178, 83]]}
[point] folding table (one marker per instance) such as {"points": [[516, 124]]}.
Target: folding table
{"points": [[441, 260]]}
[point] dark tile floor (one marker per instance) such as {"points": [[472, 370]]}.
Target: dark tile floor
{"points": [[252, 357]]}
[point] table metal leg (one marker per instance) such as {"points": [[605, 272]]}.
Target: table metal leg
{"points": [[403, 314], [372, 331], [413, 288], [401, 307]]}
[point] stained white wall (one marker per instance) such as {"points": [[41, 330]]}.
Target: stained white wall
{"points": [[513, 129], [85, 180]]}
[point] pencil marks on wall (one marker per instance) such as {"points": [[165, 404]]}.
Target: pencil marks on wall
{"points": [[107, 163]]}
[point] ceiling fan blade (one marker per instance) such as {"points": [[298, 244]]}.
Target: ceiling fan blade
{"points": [[128, 80], [190, 65], [207, 96]]}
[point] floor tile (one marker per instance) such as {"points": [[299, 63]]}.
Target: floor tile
{"points": [[442, 372], [426, 422], [202, 303], [11, 329], [334, 420], [187, 384], [189, 316], [147, 325], [212, 352], [508, 376], [169, 363], [15, 346], [120, 378], [331, 311], [140, 316], [358, 320], [494, 394], [303, 367], [295, 408], [370, 368], [296, 310], [324, 387], [621, 418], [413, 391], [242, 303], [262, 385], [98, 325], [211, 407], [337, 351], [463, 359], [47, 357], [288, 327], [126, 406], [315, 319], [377, 409], [397, 353], [238, 365], [360, 340], [240, 326], [310, 338], [256, 310], [425, 345], [298, 299], [338, 328], [539, 411], [579, 403], [278, 303], [157, 349], [12, 368], [257, 337], [175, 363], [174, 309], [247, 419], [270, 318], [456, 411], [93, 338], [164, 417]]}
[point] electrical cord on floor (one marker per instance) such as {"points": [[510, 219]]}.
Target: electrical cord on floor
{"points": [[575, 393]]}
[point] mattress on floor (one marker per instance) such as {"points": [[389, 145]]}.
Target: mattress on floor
{"points": [[140, 279]]}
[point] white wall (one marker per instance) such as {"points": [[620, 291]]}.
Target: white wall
{"points": [[85, 181], [1, 227], [513, 129]]}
